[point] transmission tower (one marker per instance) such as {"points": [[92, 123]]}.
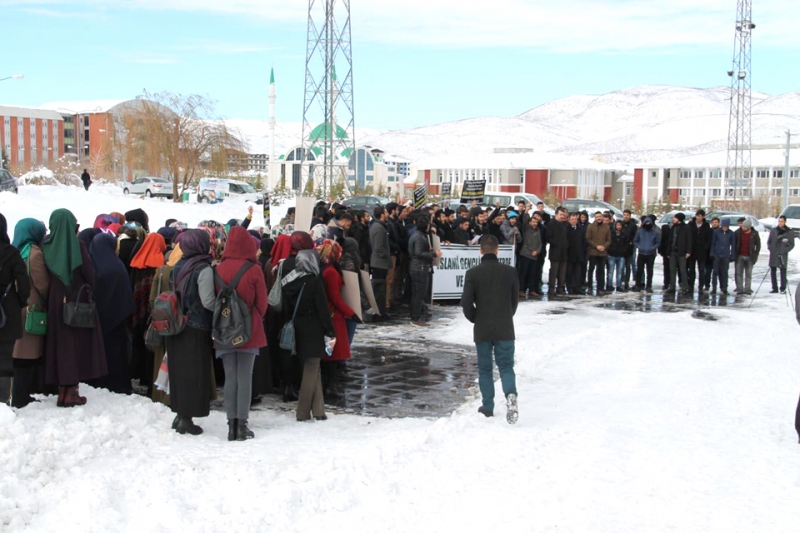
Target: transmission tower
{"points": [[739, 169], [328, 117]]}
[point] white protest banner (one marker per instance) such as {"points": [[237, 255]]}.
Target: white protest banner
{"points": [[448, 279], [367, 284], [351, 292], [304, 212]]}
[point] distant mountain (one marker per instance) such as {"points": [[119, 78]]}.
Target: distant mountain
{"points": [[639, 124]]}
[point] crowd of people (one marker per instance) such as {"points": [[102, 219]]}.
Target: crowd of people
{"points": [[78, 305]]}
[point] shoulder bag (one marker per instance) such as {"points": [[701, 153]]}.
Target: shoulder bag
{"points": [[275, 294], [287, 336], [78, 314], [36, 316]]}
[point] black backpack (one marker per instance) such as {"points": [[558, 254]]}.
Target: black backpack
{"points": [[231, 326]]}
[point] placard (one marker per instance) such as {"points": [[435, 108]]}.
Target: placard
{"points": [[448, 278], [420, 194], [351, 292], [367, 284], [473, 190], [265, 205], [446, 188], [303, 213], [436, 245]]}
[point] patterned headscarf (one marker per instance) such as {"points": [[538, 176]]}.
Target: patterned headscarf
{"points": [[329, 252], [319, 233]]}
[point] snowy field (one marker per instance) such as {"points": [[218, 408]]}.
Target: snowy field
{"points": [[628, 422]]}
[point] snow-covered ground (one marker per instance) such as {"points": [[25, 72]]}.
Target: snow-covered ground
{"points": [[628, 422]]}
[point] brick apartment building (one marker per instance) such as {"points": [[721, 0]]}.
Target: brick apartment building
{"points": [[30, 137]]}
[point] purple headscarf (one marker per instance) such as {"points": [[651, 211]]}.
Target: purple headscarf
{"points": [[196, 248]]}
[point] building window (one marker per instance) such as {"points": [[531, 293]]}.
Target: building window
{"points": [[794, 192], [795, 174], [762, 173], [685, 174], [654, 174], [700, 192], [777, 173], [776, 192], [716, 193], [683, 192], [700, 175], [715, 174]]}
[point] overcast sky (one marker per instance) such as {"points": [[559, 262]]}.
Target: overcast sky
{"points": [[417, 62]]}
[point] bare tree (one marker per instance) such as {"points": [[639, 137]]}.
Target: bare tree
{"points": [[175, 136]]}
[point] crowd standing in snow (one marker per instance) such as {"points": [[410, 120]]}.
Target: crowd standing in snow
{"points": [[177, 308]]}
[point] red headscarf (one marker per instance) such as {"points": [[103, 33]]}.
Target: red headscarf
{"points": [[281, 249], [114, 228], [120, 217], [151, 254], [300, 241]]}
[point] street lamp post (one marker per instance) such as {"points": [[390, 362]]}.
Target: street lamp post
{"points": [[13, 77]]}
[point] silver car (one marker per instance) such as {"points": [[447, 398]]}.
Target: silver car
{"points": [[149, 187], [7, 181]]}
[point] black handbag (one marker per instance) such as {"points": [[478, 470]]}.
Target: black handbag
{"points": [[287, 336], [79, 314]]}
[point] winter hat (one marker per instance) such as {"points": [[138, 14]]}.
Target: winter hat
{"points": [[647, 221], [680, 216], [747, 224], [512, 214], [726, 223]]}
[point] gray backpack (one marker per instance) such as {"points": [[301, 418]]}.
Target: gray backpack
{"points": [[231, 326]]}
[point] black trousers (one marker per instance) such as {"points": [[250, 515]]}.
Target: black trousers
{"points": [[695, 270], [797, 419], [557, 276], [528, 274], [774, 274], [665, 264], [721, 267], [419, 290], [575, 276], [645, 262], [598, 264], [379, 287]]}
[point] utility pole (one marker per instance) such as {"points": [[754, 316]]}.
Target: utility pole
{"points": [[786, 170]]}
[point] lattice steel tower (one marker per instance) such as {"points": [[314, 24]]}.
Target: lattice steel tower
{"points": [[739, 169], [328, 116]]}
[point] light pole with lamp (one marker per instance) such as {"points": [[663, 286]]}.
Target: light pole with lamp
{"points": [[13, 77]]}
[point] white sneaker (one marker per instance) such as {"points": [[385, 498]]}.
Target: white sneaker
{"points": [[512, 414]]}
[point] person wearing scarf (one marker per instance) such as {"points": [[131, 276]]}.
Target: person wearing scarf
{"points": [[131, 238], [114, 300], [240, 253], [273, 370], [119, 216], [160, 284], [86, 236], [14, 293], [312, 324], [330, 252], [142, 270], [138, 215], [190, 353], [29, 350], [102, 222], [72, 355]]}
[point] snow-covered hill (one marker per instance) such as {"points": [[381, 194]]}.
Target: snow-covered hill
{"points": [[632, 125]]}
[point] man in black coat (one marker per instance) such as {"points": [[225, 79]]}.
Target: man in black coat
{"points": [[701, 248], [576, 237], [558, 239], [86, 179], [663, 251], [680, 249], [629, 228], [489, 300]]}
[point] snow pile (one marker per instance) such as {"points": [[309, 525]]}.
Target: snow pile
{"points": [[40, 176]]}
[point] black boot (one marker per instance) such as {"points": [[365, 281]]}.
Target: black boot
{"points": [[21, 386], [242, 431], [232, 429], [185, 425], [5, 390], [289, 394]]}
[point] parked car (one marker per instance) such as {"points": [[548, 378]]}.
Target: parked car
{"points": [[792, 214], [149, 187], [367, 203], [241, 190], [7, 181], [667, 218], [574, 205], [733, 217]]}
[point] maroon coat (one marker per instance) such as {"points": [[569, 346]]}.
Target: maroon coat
{"points": [[252, 289], [339, 311]]}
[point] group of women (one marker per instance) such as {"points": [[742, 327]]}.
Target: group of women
{"points": [[76, 309]]}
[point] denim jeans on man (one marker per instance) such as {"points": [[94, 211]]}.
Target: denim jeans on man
{"points": [[504, 356], [617, 263]]}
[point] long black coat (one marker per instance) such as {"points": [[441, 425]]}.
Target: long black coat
{"points": [[701, 240], [490, 298], [14, 276], [558, 239], [313, 321]]}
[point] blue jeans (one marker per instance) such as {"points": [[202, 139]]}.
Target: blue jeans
{"points": [[504, 355], [619, 264], [351, 329]]}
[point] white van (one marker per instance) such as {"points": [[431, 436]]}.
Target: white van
{"points": [[241, 190], [512, 199], [792, 214]]}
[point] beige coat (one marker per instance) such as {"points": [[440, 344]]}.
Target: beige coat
{"points": [[32, 346]]}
